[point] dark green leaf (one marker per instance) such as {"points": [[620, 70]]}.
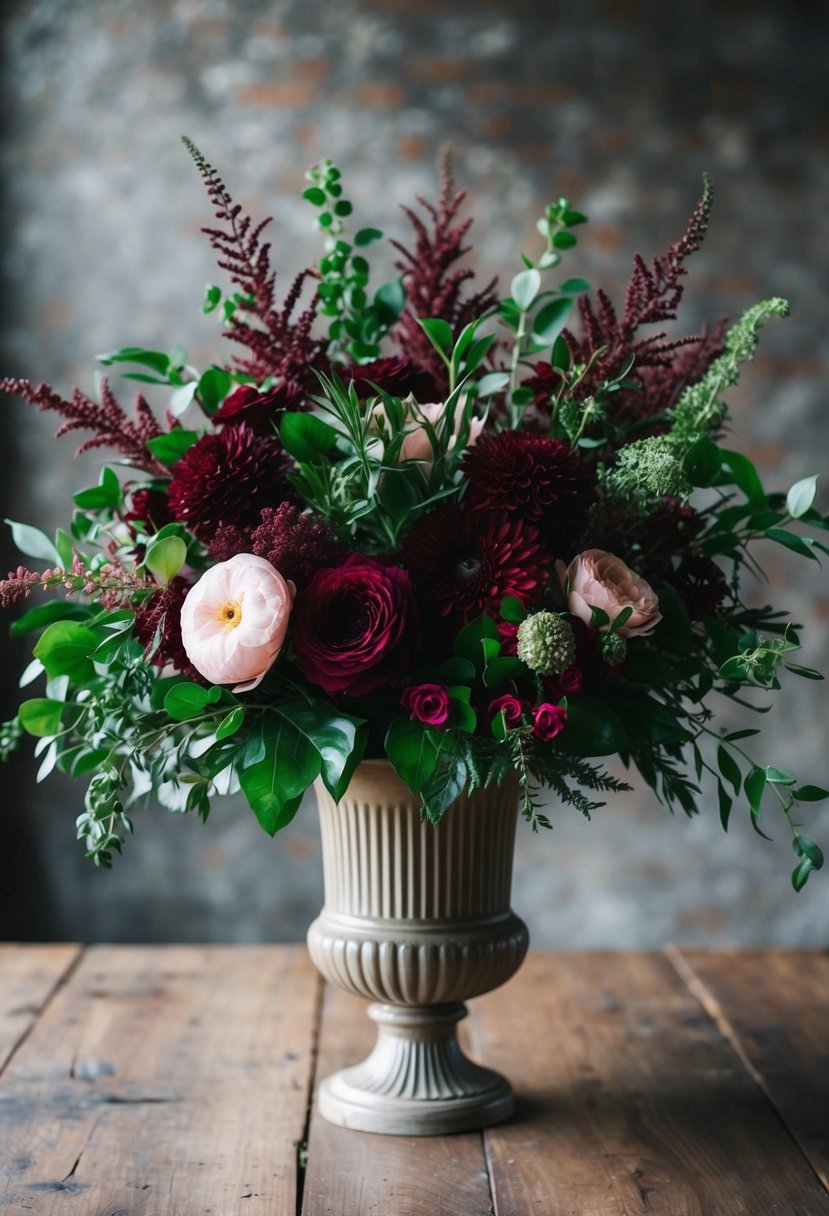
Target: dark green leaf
{"points": [[170, 447], [336, 736], [188, 700], [755, 785], [229, 725], [810, 793], [574, 287], [798, 544], [550, 321], [512, 610], [214, 385], [41, 716], [729, 768], [46, 614], [439, 333], [390, 301], [702, 462], [414, 751], [64, 650], [34, 543], [779, 776], [275, 784], [305, 436], [725, 805], [593, 729], [800, 873], [366, 236], [807, 848]]}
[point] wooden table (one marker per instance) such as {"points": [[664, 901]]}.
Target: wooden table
{"points": [[175, 1081]]}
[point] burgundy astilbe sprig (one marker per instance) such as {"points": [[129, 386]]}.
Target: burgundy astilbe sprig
{"points": [[662, 365], [296, 542], [111, 426], [278, 342], [434, 283]]}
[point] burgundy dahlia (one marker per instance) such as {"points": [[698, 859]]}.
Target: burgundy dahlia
{"points": [[355, 626], [260, 411], [150, 508], [534, 478], [228, 477], [464, 562]]}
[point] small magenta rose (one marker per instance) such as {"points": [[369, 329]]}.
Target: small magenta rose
{"points": [[510, 707], [548, 721], [234, 621], [356, 625], [596, 579], [428, 703]]}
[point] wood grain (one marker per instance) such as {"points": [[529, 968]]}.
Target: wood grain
{"points": [[631, 1100], [163, 1081], [774, 1007], [29, 976], [358, 1174]]}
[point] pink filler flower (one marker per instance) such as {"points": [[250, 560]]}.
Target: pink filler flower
{"points": [[234, 621]]}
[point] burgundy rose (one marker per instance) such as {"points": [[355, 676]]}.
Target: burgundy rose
{"points": [[427, 703], [247, 404], [567, 684], [510, 707], [355, 625], [548, 721]]}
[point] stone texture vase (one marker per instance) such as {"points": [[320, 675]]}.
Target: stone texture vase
{"points": [[418, 919]]}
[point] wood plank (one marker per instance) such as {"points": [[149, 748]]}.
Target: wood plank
{"points": [[161, 1081], [774, 1007], [29, 976], [630, 1100], [359, 1174]]}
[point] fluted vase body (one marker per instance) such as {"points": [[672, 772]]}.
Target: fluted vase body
{"points": [[417, 918]]}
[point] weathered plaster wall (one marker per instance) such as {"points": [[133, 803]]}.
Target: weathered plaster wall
{"points": [[618, 105]]}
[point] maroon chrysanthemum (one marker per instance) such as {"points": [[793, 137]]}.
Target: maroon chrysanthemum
{"points": [[228, 477], [534, 478], [150, 508], [158, 628], [464, 562]]}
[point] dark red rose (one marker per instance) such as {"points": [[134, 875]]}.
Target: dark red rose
{"points": [[508, 633], [567, 684], [428, 703], [355, 626], [548, 721], [258, 410], [397, 376], [511, 707]]}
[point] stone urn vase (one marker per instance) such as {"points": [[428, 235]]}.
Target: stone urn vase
{"points": [[416, 918]]}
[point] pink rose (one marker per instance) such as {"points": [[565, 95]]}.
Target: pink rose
{"points": [[548, 721], [356, 626], [234, 621], [427, 703], [596, 579], [510, 707], [417, 445]]}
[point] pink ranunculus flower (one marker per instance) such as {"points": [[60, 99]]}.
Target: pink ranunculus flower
{"points": [[427, 703], [234, 621], [417, 446], [596, 579]]}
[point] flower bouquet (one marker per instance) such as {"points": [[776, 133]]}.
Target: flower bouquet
{"points": [[473, 533]]}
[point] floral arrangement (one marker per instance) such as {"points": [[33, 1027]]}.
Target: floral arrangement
{"points": [[471, 532]]}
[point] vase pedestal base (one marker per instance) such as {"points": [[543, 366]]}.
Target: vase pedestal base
{"points": [[417, 1081]]}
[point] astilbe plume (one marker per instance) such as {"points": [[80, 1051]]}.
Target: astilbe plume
{"points": [[297, 543], [434, 283], [158, 628], [278, 343], [663, 366], [110, 425]]}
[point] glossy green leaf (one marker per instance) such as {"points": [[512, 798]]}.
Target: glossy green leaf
{"points": [[170, 447], [64, 649], [34, 543], [47, 614], [274, 785], [306, 436], [41, 716], [413, 750]]}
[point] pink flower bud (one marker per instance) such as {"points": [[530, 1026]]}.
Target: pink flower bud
{"points": [[596, 579]]}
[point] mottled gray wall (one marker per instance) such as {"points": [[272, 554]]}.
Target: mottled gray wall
{"points": [[617, 104]]}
